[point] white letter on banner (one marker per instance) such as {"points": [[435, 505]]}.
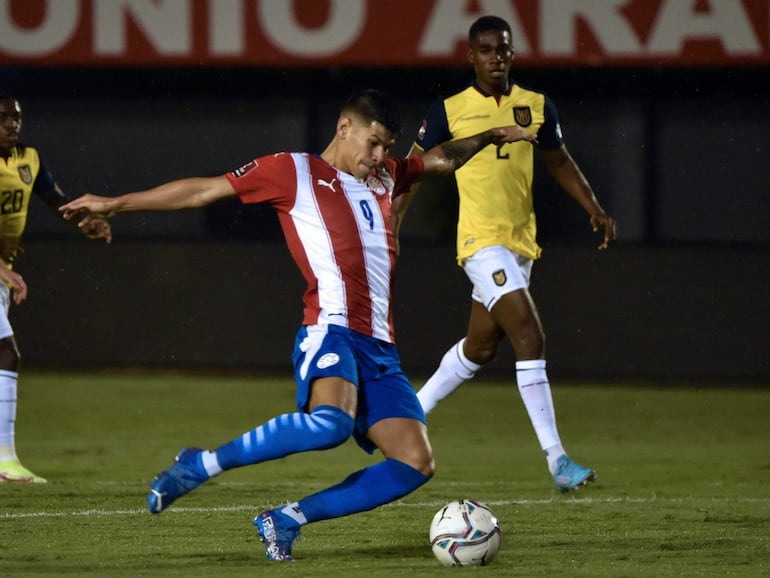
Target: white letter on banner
{"points": [[58, 26], [450, 20], [166, 24], [725, 21], [558, 23], [279, 24], [226, 27]]}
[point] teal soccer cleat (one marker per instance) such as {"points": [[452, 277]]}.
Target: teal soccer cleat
{"points": [[184, 475], [278, 532], [570, 475]]}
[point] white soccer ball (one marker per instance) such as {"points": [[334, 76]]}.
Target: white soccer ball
{"points": [[465, 533]]}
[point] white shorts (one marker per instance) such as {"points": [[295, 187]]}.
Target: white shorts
{"points": [[5, 303], [495, 271]]}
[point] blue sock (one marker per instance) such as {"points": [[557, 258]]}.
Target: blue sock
{"points": [[325, 428], [364, 490]]}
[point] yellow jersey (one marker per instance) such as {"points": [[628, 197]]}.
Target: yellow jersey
{"points": [[21, 174], [495, 186]]}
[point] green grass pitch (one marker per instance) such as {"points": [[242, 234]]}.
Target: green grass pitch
{"points": [[683, 484]]}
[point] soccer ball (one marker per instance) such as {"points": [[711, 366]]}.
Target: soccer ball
{"points": [[465, 533]]}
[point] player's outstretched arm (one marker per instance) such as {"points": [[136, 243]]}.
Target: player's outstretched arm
{"points": [[182, 194], [447, 157]]}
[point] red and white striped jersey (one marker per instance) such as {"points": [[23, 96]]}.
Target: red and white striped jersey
{"points": [[338, 229]]}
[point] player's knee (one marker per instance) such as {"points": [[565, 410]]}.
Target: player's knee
{"points": [[425, 464], [10, 357], [419, 458], [480, 353], [332, 426], [428, 467]]}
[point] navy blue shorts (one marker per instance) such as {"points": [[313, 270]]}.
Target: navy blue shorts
{"points": [[370, 364]]}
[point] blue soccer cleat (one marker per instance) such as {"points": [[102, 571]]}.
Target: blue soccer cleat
{"points": [[278, 532], [184, 475], [570, 475]]}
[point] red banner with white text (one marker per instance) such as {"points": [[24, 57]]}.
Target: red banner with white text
{"points": [[391, 33]]}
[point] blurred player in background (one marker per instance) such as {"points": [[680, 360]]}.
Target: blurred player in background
{"points": [[334, 210], [22, 173], [496, 233]]}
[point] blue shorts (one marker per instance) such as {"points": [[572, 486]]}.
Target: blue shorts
{"points": [[370, 364]]}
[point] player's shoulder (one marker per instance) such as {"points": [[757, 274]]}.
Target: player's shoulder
{"points": [[25, 152], [527, 88], [529, 92], [463, 94]]}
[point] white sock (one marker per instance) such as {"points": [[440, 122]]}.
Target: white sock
{"points": [[8, 389], [210, 463], [536, 393], [295, 513], [454, 369]]}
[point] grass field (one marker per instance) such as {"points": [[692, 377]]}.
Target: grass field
{"points": [[683, 483]]}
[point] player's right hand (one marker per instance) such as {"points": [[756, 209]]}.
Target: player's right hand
{"points": [[15, 282], [97, 206], [604, 222]]}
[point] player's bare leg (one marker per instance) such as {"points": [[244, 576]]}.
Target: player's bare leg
{"points": [[461, 362], [517, 315]]}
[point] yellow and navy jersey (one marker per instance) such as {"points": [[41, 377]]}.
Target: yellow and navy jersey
{"points": [[21, 174], [495, 186]]}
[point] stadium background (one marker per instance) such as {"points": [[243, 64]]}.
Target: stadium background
{"points": [[676, 147]]}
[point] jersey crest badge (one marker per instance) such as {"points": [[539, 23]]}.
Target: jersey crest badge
{"points": [[499, 277], [376, 184], [522, 115], [25, 174]]}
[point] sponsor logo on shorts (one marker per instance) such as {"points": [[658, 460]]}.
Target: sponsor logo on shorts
{"points": [[499, 277], [327, 360]]}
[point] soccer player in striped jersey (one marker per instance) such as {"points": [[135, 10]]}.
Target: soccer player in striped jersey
{"points": [[496, 231], [334, 210], [22, 174]]}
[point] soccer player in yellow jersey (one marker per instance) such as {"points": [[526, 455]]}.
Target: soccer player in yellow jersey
{"points": [[22, 173], [496, 231]]}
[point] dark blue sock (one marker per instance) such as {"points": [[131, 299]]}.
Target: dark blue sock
{"points": [[364, 490], [326, 427]]}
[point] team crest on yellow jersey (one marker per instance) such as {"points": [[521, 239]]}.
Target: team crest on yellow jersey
{"points": [[522, 115], [499, 277], [25, 174]]}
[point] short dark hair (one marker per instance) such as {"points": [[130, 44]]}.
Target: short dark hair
{"points": [[374, 105], [486, 23]]}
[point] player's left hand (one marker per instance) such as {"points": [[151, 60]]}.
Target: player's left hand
{"points": [[95, 227], [605, 222]]}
